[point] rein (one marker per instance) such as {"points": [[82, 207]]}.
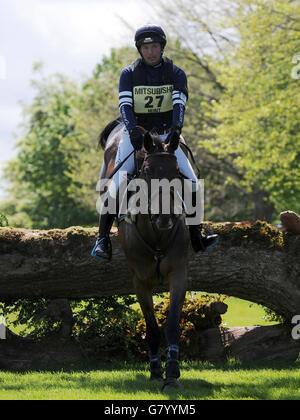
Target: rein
{"points": [[117, 168]]}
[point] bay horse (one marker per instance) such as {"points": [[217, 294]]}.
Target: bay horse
{"points": [[156, 247]]}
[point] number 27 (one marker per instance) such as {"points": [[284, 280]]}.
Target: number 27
{"points": [[150, 99]]}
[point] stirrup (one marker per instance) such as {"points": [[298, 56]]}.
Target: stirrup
{"points": [[210, 234], [94, 255]]}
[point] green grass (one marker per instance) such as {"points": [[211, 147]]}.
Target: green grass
{"points": [[200, 381], [242, 313]]}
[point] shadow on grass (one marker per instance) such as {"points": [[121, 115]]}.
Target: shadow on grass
{"points": [[232, 380]]}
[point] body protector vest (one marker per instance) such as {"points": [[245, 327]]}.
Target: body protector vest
{"points": [[152, 98]]}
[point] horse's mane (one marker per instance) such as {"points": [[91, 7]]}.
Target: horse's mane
{"points": [[107, 130]]}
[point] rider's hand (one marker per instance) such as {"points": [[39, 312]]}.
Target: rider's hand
{"points": [[173, 130], [136, 138], [141, 154]]}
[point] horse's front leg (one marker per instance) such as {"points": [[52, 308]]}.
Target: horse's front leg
{"points": [[144, 295], [178, 287]]}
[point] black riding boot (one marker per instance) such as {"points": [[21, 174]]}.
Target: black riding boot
{"points": [[103, 249], [199, 240]]}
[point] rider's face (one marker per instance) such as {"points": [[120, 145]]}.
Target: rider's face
{"points": [[151, 53]]}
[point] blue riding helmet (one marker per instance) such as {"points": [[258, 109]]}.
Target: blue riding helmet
{"points": [[148, 34]]}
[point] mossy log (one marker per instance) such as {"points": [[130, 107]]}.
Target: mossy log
{"points": [[256, 262]]}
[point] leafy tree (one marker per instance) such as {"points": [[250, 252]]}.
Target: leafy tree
{"points": [[54, 176], [41, 174], [238, 55], [247, 149], [261, 105], [198, 50]]}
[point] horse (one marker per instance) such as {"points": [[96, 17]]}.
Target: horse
{"points": [[156, 248]]}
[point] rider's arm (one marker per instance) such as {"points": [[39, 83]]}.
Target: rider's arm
{"points": [[126, 99], [180, 97]]}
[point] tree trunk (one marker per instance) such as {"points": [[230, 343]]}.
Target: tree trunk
{"points": [[253, 262], [249, 344], [263, 208]]}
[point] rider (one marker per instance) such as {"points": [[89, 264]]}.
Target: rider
{"points": [[153, 94]]}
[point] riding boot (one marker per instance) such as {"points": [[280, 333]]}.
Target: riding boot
{"points": [[103, 249], [200, 241]]}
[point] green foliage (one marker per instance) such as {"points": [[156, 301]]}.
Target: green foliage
{"points": [[41, 175], [272, 316], [54, 176], [105, 326], [24, 315], [110, 327], [261, 105], [3, 220], [241, 120]]}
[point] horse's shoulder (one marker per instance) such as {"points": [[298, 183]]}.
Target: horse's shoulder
{"points": [[115, 136]]}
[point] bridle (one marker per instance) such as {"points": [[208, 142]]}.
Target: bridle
{"points": [[147, 177], [158, 253]]}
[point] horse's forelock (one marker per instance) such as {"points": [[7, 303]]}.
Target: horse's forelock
{"points": [[159, 145]]}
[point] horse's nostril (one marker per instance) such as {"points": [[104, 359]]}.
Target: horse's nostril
{"points": [[163, 222]]}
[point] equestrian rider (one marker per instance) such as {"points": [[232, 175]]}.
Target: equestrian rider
{"points": [[152, 93]]}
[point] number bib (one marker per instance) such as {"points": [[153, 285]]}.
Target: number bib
{"points": [[152, 99]]}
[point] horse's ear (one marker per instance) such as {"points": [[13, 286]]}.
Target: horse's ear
{"points": [[174, 142], [149, 143]]}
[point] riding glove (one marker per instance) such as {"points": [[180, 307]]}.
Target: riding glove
{"points": [[172, 132], [136, 138]]}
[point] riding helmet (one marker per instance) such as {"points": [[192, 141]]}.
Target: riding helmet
{"points": [[148, 34]]}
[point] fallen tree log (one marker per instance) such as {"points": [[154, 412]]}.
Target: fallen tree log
{"points": [[249, 344], [255, 262]]}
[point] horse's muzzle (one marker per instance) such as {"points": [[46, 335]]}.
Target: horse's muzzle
{"points": [[163, 221]]}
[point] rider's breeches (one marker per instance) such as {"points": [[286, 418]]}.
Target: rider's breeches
{"points": [[125, 148]]}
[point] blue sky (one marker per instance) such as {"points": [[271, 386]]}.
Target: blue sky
{"points": [[68, 36]]}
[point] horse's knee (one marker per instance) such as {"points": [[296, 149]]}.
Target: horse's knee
{"points": [[172, 331]]}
